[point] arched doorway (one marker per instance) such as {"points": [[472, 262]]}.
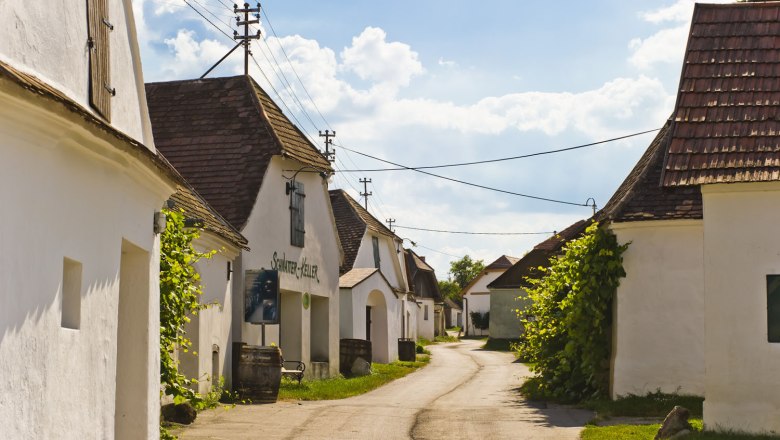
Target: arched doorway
{"points": [[376, 326]]}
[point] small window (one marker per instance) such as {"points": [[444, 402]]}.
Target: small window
{"points": [[425, 312], [375, 242], [297, 231], [99, 25], [71, 294], [773, 307]]}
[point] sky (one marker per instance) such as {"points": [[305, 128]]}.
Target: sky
{"points": [[434, 82]]}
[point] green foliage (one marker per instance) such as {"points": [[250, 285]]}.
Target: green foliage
{"points": [[480, 321], [445, 338], [179, 298], [450, 289], [567, 325], [465, 270]]}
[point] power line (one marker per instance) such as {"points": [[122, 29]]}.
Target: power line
{"points": [[207, 19], [475, 233], [463, 182], [439, 252], [213, 14], [541, 153]]}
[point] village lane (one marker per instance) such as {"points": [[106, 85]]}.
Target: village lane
{"points": [[465, 393]]}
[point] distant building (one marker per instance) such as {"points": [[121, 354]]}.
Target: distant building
{"points": [[508, 291], [425, 288], [82, 188], [476, 295], [261, 174]]}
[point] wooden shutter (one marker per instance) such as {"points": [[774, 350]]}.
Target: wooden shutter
{"points": [[100, 90], [297, 231], [375, 242]]}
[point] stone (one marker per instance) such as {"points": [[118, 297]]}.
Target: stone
{"points": [[360, 367], [182, 413], [675, 424]]}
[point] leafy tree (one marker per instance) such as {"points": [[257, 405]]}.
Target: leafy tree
{"points": [[450, 289], [465, 270], [568, 324], [480, 321]]}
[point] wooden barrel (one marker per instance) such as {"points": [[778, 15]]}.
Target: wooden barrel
{"points": [[350, 350], [258, 372], [407, 350]]}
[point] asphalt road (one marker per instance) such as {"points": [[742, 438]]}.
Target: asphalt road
{"points": [[465, 393]]}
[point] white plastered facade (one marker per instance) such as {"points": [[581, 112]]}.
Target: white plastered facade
{"points": [[658, 328], [742, 247], [477, 299], [268, 232], [79, 325]]}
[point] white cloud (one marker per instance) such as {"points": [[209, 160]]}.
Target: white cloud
{"points": [[372, 58], [192, 57], [680, 11], [446, 63]]}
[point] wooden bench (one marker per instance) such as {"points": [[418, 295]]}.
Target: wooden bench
{"points": [[293, 369]]}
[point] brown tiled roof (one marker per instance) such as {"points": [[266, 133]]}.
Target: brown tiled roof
{"points": [[727, 118], [356, 276], [221, 134], [194, 206], [540, 255], [641, 196], [449, 303], [50, 96], [351, 223], [502, 262]]}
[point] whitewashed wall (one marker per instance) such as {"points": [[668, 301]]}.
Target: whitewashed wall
{"points": [[70, 194], [410, 310], [211, 327], [479, 302], [49, 40], [742, 247], [425, 327], [389, 263], [268, 231], [386, 310], [504, 321], [658, 337]]}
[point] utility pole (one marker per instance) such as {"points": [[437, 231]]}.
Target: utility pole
{"points": [[246, 39], [243, 40], [365, 192], [330, 155], [390, 222]]}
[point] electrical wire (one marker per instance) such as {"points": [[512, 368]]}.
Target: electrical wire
{"points": [[463, 182], [439, 252], [502, 159], [206, 18], [474, 233], [230, 26]]}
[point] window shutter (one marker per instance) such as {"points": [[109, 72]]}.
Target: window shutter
{"points": [[375, 242], [100, 91], [297, 231]]}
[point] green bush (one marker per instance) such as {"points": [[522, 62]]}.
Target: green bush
{"points": [[567, 325]]}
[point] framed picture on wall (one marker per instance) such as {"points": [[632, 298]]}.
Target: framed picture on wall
{"points": [[261, 296]]}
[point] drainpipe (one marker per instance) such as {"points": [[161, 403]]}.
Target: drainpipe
{"points": [[466, 318]]}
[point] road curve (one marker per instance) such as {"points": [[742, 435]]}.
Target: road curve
{"points": [[464, 393]]}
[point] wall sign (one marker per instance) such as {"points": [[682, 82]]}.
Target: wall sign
{"points": [[261, 296], [299, 270]]}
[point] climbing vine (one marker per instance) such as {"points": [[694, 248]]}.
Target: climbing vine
{"points": [[179, 298], [568, 323]]}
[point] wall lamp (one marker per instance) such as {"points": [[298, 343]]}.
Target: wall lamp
{"points": [[289, 186]]}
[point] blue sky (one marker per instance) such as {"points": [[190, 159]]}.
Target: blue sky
{"points": [[435, 82]]}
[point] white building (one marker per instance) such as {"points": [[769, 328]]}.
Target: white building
{"points": [[700, 305], [238, 150], [375, 302], [210, 356], [81, 182], [476, 295], [425, 289]]}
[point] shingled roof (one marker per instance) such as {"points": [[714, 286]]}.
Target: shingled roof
{"points": [[502, 262], [220, 134], [540, 255], [195, 207], [352, 220], [641, 196], [726, 121]]}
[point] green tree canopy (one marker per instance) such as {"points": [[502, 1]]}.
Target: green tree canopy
{"points": [[450, 289], [465, 270]]}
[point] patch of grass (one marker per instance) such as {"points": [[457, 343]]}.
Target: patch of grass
{"points": [[446, 338], [424, 342], [495, 344], [454, 329], [651, 405], [631, 432], [341, 387]]}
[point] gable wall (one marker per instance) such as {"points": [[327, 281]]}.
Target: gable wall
{"points": [[742, 247], [658, 332]]}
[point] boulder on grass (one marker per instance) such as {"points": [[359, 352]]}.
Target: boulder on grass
{"points": [[182, 413], [360, 367], [675, 424]]}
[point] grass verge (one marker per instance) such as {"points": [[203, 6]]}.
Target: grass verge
{"points": [[644, 432], [446, 338], [341, 388]]}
